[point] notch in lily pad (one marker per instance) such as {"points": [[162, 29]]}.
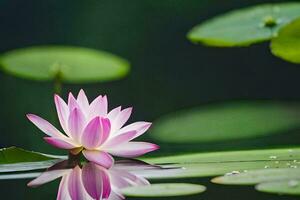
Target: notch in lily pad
{"points": [[245, 26], [270, 21], [64, 64]]}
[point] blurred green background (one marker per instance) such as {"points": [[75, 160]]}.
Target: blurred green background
{"points": [[168, 72]]}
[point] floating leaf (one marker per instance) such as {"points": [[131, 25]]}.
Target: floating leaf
{"points": [[220, 163], [164, 190], [287, 44], [69, 64], [246, 26], [291, 187], [284, 181], [19, 176], [259, 176], [229, 121], [17, 159]]}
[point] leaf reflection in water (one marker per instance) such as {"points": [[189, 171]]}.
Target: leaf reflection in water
{"points": [[92, 181]]}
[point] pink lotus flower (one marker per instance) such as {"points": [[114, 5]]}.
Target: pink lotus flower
{"points": [[94, 131], [92, 181]]}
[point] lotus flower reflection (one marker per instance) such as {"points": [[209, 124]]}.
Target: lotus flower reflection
{"points": [[89, 128], [92, 181]]}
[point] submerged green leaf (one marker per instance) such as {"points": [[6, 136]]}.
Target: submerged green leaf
{"points": [[287, 44], [245, 26], [68, 64], [236, 120], [164, 190]]}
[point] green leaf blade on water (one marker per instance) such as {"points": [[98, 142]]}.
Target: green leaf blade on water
{"points": [[164, 190], [66, 63], [229, 121], [245, 26], [287, 44]]}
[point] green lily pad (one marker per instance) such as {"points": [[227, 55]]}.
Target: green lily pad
{"points": [[283, 181], [291, 187], [69, 64], [20, 176], [220, 122], [245, 26], [287, 44], [164, 190], [220, 163], [13, 155], [14, 159], [259, 176]]}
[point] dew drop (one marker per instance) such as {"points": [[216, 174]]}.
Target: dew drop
{"points": [[232, 173], [273, 157]]}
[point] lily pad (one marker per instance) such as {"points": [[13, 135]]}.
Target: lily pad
{"points": [[287, 44], [291, 187], [220, 122], [164, 190], [19, 176], [283, 181], [14, 159], [16, 155], [68, 64], [245, 26], [220, 163], [259, 176]]}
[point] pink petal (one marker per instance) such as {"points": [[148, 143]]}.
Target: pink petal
{"points": [[75, 185], [96, 181], [63, 192], [106, 127], [95, 133], [98, 107], [133, 149], [76, 124], [139, 127], [119, 139], [120, 119], [113, 114], [47, 176], [44, 125], [60, 143], [121, 178], [62, 112], [99, 157], [82, 101], [72, 102]]}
